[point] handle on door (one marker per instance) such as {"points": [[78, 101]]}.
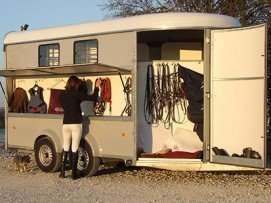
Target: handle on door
{"points": [[208, 94]]}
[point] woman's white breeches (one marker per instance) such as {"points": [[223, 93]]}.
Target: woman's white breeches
{"points": [[72, 134]]}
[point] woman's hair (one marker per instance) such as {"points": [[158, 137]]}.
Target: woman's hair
{"points": [[73, 83]]}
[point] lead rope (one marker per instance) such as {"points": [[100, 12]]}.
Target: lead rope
{"points": [[164, 96], [127, 89], [148, 107], [179, 99], [2, 88]]}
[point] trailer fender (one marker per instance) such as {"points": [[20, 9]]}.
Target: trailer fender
{"points": [[93, 144], [54, 137]]}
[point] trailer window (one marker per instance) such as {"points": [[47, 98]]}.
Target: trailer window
{"points": [[86, 52], [49, 55]]}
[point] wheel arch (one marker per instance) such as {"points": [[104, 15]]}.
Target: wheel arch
{"points": [[93, 145], [92, 166], [53, 137]]}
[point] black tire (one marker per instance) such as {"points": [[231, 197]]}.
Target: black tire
{"points": [[45, 155], [87, 164]]}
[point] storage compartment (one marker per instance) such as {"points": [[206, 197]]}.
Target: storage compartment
{"points": [[171, 129], [110, 133], [51, 88]]}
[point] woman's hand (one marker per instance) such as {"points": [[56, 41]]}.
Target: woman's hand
{"points": [[98, 82]]}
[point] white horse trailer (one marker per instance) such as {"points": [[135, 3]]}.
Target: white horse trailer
{"points": [[231, 60]]}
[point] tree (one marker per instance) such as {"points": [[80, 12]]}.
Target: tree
{"points": [[137, 7], [131, 7], [248, 11]]}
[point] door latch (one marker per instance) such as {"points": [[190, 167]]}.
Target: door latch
{"points": [[208, 94]]}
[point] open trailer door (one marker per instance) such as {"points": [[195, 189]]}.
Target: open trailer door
{"points": [[238, 96]]}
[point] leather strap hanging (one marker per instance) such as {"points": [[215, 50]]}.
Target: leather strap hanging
{"points": [[105, 97], [106, 92], [164, 96]]}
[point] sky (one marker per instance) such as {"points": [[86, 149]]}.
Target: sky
{"points": [[46, 13]]}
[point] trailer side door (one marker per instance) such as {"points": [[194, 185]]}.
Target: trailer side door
{"points": [[238, 96]]}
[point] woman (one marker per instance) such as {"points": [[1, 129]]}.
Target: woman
{"points": [[72, 121]]}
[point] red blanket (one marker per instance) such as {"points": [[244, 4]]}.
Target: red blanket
{"points": [[175, 155], [54, 103]]}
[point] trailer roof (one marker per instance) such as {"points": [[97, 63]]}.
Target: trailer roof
{"points": [[78, 69], [142, 22]]}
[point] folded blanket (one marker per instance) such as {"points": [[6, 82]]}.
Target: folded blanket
{"points": [[174, 155]]}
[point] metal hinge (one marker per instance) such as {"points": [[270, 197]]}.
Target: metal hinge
{"points": [[208, 94]]}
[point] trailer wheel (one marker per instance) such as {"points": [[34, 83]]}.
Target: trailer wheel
{"points": [[87, 164], [45, 154]]}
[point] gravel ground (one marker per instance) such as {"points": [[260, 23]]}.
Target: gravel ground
{"points": [[131, 185]]}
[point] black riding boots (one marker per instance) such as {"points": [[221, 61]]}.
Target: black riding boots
{"points": [[64, 155], [74, 160]]}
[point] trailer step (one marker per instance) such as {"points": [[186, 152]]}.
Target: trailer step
{"points": [[188, 165]]}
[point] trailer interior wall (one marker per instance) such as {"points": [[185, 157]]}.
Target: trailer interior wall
{"points": [[113, 49], [170, 45], [177, 46], [118, 97], [154, 138]]}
